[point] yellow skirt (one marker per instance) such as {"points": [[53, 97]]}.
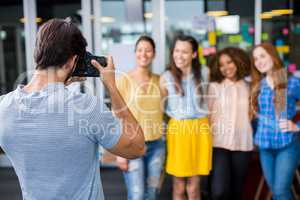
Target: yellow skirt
{"points": [[189, 147]]}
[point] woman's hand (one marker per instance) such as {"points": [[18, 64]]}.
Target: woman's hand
{"points": [[122, 163], [288, 126]]}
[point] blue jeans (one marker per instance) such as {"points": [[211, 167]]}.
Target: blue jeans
{"points": [[143, 175], [279, 167]]}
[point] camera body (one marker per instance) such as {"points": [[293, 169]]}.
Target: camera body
{"points": [[84, 67]]}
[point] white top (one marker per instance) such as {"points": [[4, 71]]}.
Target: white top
{"points": [[229, 105]]}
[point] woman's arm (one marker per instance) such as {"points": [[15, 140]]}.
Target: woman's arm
{"points": [[211, 97], [288, 125], [163, 92]]}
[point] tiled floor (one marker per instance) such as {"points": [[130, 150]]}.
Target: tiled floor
{"points": [[114, 188]]}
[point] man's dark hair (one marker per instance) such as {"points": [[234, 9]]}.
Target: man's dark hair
{"points": [[57, 40]]}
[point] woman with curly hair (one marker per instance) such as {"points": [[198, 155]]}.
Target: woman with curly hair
{"points": [[232, 133]]}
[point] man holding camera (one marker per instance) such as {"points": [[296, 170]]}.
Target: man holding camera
{"points": [[51, 135]]}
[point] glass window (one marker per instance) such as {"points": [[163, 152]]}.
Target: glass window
{"points": [[180, 16], [116, 27], [12, 50], [280, 26]]}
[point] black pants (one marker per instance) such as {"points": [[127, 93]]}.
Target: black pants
{"points": [[228, 175]]}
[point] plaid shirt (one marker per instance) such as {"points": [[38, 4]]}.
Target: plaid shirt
{"points": [[268, 134]]}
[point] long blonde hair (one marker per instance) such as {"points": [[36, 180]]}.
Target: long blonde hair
{"points": [[279, 76]]}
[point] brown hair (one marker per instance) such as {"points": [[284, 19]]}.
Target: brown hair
{"points": [[238, 56], [57, 40], [196, 66], [279, 76], [147, 39]]}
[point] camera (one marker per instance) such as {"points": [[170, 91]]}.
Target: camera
{"points": [[84, 67]]}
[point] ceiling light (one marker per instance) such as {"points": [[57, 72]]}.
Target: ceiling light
{"points": [[266, 15], [148, 15], [217, 13], [37, 20], [283, 11], [107, 19]]}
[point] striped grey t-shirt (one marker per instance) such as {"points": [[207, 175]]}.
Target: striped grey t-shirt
{"points": [[52, 139]]}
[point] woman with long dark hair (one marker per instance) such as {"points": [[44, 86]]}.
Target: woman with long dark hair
{"points": [[274, 94], [188, 133]]}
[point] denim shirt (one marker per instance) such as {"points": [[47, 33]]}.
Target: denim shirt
{"points": [[268, 134], [185, 106]]}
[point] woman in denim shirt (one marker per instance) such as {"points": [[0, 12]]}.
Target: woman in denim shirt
{"points": [[189, 141], [273, 101]]}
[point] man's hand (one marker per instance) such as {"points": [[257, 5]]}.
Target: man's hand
{"points": [[288, 126], [122, 163], [107, 74]]}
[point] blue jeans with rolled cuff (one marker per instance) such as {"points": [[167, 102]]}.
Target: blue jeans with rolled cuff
{"points": [[143, 176]]}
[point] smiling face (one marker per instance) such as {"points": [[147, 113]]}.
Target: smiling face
{"points": [[227, 67], [262, 60], [144, 54], [183, 54]]}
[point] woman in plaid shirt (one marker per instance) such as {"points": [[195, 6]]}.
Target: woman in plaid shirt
{"points": [[274, 94]]}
